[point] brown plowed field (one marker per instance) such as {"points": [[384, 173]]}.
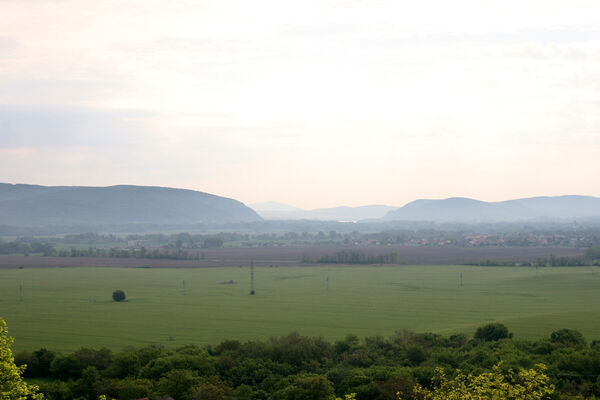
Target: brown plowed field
{"points": [[292, 256]]}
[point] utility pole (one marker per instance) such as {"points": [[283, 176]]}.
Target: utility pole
{"points": [[252, 277], [461, 279], [21, 291], [327, 283]]}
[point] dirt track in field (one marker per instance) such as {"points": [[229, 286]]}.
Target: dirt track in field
{"points": [[292, 256]]}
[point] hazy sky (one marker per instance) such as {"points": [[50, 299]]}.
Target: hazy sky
{"points": [[311, 103]]}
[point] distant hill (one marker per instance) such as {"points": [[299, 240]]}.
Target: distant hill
{"points": [[459, 209], [273, 206], [32, 205], [273, 210]]}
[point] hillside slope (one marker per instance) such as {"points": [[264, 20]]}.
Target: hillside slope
{"points": [[32, 205], [469, 210]]}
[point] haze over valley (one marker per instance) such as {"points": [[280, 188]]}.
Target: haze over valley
{"points": [[299, 200], [34, 205], [556, 208]]}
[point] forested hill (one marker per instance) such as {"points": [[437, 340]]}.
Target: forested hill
{"points": [[32, 205], [459, 209]]}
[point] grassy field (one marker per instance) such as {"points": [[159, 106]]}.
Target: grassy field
{"points": [[67, 308]]}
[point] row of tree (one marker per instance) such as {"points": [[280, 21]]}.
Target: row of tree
{"points": [[551, 261], [353, 257], [18, 247], [113, 252]]}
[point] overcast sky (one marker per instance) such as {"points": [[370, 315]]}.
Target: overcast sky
{"points": [[310, 103]]}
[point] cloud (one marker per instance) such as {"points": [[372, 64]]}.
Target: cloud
{"points": [[42, 127], [541, 36], [319, 90], [322, 30], [8, 44]]}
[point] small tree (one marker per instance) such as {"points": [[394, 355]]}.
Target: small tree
{"points": [[12, 385], [118, 295], [567, 337], [492, 332], [532, 384]]}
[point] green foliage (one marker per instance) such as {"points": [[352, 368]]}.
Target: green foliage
{"points": [[300, 367], [12, 385], [307, 387], [492, 332], [38, 363], [532, 384], [178, 383], [118, 295], [416, 354], [88, 385], [214, 389], [64, 367], [567, 337], [56, 390]]}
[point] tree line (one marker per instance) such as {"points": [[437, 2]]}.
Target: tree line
{"points": [[295, 367], [353, 257], [458, 236], [591, 258]]}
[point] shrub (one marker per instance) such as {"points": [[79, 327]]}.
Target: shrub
{"points": [[567, 337], [492, 332], [118, 295]]}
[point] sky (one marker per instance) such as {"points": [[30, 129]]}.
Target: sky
{"points": [[309, 103]]}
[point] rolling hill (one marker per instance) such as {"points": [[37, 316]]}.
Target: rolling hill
{"points": [[459, 209], [33, 205]]}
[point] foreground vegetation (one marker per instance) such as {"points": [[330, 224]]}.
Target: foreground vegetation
{"points": [[406, 365], [12, 385], [65, 308]]}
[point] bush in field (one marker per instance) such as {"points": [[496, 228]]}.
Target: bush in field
{"points": [[492, 332], [118, 295]]}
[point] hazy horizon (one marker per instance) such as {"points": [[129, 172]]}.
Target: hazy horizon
{"points": [[265, 205], [313, 104]]}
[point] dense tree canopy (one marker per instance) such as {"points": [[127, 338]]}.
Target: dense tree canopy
{"points": [[418, 366]]}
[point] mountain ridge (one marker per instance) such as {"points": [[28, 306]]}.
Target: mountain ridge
{"points": [[452, 209], [31, 205], [456, 209]]}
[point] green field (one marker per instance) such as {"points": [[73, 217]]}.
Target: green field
{"points": [[67, 308]]}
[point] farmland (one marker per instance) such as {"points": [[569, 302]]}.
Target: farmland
{"points": [[293, 255], [66, 308]]}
